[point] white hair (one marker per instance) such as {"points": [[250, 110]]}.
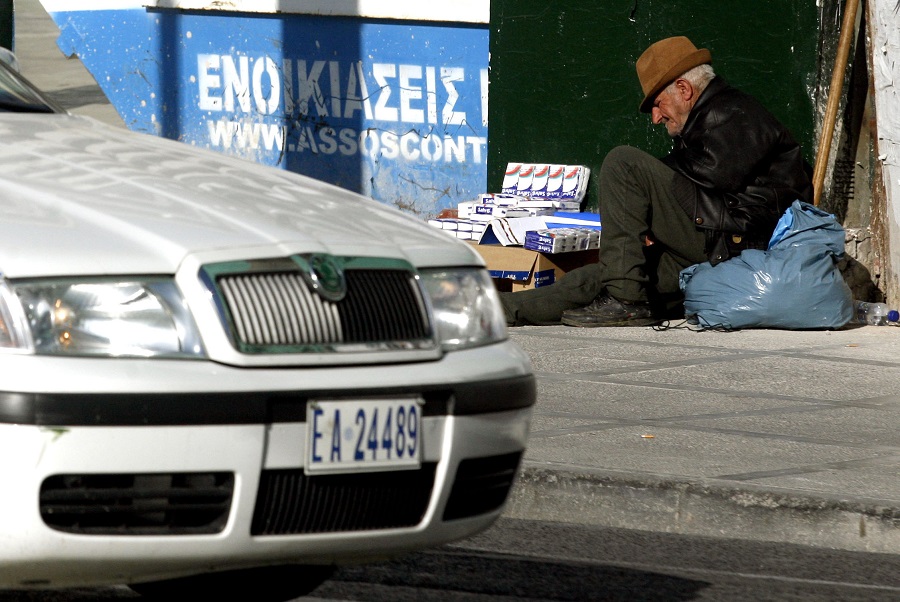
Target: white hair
{"points": [[699, 76]]}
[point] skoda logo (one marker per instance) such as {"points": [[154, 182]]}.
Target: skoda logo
{"points": [[325, 277]]}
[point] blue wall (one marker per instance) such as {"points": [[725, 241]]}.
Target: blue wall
{"points": [[396, 110]]}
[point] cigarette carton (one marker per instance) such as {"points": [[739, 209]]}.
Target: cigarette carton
{"points": [[501, 198], [500, 211], [568, 206], [526, 176], [562, 183], [540, 211], [554, 180], [465, 209], [448, 225], [511, 177], [539, 179], [562, 240], [572, 183], [538, 204], [559, 240]]}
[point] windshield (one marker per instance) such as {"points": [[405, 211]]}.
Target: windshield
{"points": [[16, 94]]}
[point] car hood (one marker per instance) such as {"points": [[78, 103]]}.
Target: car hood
{"points": [[78, 197]]}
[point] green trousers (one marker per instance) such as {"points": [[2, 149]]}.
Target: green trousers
{"points": [[636, 204]]}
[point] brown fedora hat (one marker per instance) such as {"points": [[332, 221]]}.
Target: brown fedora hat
{"points": [[664, 61]]}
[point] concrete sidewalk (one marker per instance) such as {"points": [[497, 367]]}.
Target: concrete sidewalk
{"points": [[771, 435], [757, 434], [65, 80]]}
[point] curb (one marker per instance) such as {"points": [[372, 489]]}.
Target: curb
{"points": [[702, 508]]}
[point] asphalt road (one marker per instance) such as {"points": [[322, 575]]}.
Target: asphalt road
{"points": [[531, 561], [528, 560]]}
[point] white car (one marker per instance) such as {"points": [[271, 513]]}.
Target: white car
{"points": [[218, 374]]}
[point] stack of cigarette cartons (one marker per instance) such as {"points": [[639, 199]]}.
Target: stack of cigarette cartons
{"points": [[559, 186], [463, 229], [562, 240], [529, 190], [494, 206], [473, 217], [530, 233]]}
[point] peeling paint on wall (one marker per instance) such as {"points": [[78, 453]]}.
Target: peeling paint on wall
{"points": [[395, 110]]}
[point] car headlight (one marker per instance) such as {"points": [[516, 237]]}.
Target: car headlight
{"points": [[136, 318], [466, 307]]}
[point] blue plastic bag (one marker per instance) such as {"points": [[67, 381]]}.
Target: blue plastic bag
{"points": [[795, 284]]}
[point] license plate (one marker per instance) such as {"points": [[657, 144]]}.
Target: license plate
{"points": [[363, 435]]}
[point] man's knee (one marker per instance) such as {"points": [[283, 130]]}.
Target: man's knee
{"points": [[623, 155], [627, 164]]}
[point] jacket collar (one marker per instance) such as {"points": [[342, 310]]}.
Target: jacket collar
{"points": [[717, 85]]}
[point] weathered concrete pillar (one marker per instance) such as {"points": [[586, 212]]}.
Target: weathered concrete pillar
{"points": [[884, 31]]}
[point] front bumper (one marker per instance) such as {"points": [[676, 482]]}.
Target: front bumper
{"points": [[480, 413]]}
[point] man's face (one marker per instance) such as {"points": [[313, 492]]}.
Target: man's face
{"points": [[672, 108]]}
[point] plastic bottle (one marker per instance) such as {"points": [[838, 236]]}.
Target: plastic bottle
{"points": [[875, 314]]}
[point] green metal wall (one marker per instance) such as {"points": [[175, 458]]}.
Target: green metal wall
{"points": [[6, 24], [563, 87]]}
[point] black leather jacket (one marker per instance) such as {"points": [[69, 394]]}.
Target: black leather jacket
{"points": [[739, 170]]}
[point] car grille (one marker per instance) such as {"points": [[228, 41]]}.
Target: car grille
{"points": [[275, 310], [137, 504], [481, 485], [290, 502]]}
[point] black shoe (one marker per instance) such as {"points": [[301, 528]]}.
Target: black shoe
{"points": [[609, 311]]}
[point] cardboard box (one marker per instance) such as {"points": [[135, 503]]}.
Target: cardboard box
{"points": [[516, 268]]}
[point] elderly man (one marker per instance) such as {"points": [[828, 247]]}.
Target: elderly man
{"points": [[732, 172]]}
